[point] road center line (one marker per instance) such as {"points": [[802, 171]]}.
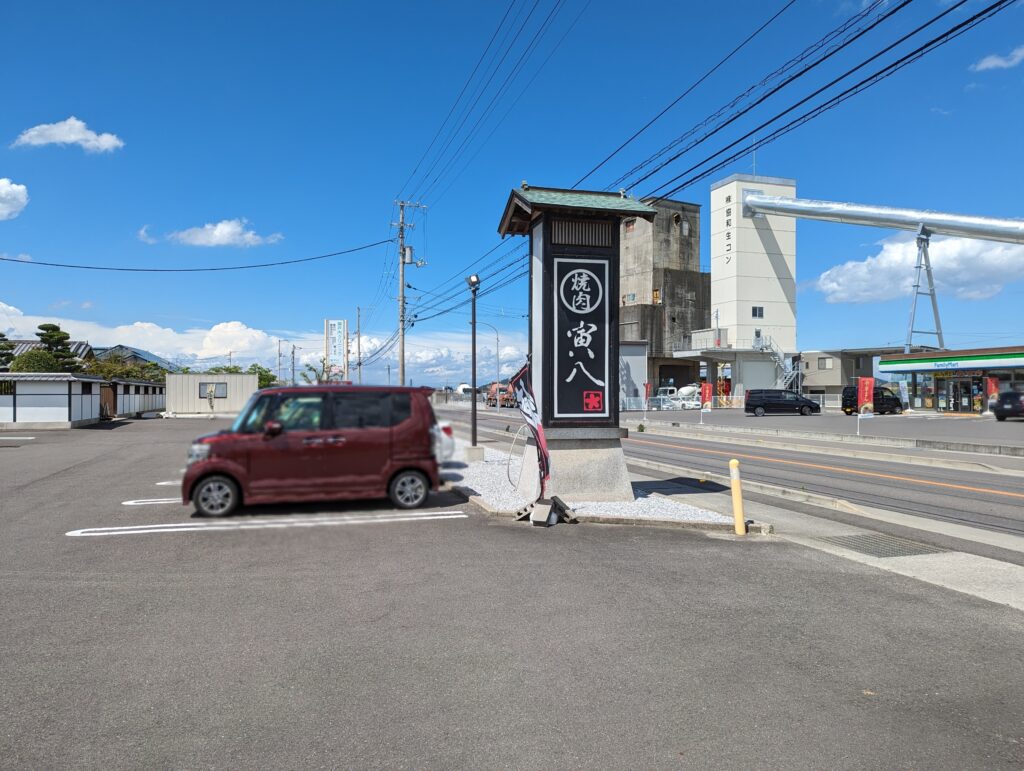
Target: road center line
{"points": [[839, 469], [265, 524]]}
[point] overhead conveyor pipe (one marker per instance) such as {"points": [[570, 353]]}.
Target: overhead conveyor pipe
{"points": [[934, 223]]}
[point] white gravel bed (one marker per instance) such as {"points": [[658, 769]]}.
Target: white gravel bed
{"points": [[649, 507], [490, 479]]}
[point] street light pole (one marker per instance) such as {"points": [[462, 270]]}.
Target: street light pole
{"points": [[497, 363], [474, 284]]}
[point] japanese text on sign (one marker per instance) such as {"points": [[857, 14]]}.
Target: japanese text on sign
{"points": [[581, 353]]}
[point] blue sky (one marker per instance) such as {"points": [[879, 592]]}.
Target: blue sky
{"points": [[238, 133]]}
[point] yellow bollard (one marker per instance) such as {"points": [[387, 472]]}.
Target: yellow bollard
{"points": [[737, 498]]}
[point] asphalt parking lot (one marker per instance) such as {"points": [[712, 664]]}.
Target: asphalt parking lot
{"points": [[350, 638]]}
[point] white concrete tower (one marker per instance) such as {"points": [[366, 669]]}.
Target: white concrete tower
{"points": [[753, 266]]}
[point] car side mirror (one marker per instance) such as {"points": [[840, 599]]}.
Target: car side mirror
{"points": [[272, 428]]}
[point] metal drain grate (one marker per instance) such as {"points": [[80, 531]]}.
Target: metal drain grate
{"points": [[877, 545]]}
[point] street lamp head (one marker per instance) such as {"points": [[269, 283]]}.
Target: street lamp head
{"points": [[473, 281]]}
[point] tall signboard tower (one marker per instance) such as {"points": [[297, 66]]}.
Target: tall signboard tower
{"points": [[574, 331], [336, 347]]}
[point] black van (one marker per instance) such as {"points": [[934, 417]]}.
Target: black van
{"points": [[761, 401], [885, 401]]}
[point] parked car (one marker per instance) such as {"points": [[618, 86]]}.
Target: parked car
{"points": [[318, 443], [662, 403], [445, 441], [1009, 405], [884, 399], [762, 401]]}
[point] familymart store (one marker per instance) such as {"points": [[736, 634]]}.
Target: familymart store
{"points": [[955, 381]]}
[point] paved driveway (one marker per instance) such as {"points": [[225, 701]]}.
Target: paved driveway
{"points": [[463, 642]]}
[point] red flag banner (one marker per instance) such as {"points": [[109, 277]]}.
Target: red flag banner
{"points": [[865, 394], [992, 388], [520, 384], [707, 392]]}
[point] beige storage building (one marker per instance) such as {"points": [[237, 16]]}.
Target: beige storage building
{"points": [[206, 394]]}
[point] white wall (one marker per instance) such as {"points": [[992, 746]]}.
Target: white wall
{"points": [[753, 263], [41, 401], [6, 409]]}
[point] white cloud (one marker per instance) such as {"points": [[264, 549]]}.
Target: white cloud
{"points": [[223, 233], [965, 268], [18, 257], [69, 132], [86, 305], [244, 342], [431, 359], [997, 62], [13, 198], [144, 235]]}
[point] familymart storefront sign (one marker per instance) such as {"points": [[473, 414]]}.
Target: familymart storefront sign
{"points": [[956, 381], [952, 362]]}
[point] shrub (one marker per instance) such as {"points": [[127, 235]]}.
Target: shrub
{"points": [[35, 360]]}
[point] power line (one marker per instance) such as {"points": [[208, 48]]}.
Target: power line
{"points": [[506, 84], [455, 104], [886, 72], [501, 121], [679, 98], [792, 78], [465, 116], [196, 270]]}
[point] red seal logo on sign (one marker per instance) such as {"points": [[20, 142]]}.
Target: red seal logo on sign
{"points": [[593, 401]]}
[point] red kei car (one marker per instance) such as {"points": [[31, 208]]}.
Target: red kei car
{"points": [[315, 443]]}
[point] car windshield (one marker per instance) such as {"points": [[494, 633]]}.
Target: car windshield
{"points": [[252, 417]]}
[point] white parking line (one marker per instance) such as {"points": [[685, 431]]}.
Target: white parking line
{"points": [[268, 524], [150, 501], [169, 483], [18, 438]]}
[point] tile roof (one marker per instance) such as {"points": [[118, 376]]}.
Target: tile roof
{"points": [[525, 204], [79, 348], [583, 199]]}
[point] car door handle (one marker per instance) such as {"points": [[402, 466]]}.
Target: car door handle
{"points": [[313, 440], [335, 440]]}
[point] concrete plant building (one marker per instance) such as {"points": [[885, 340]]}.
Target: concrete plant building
{"points": [[664, 294], [752, 327]]}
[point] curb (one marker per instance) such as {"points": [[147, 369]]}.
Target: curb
{"points": [[786, 493], [722, 437], [885, 441]]}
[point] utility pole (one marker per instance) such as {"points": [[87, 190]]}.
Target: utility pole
{"points": [[229, 357], [278, 360], [293, 364], [389, 374], [404, 257], [359, 346]]}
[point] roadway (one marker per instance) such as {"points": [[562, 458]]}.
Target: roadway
{"points": [[988, 500]]}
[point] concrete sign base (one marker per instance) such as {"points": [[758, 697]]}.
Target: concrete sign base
{"points": [[587, 464]]}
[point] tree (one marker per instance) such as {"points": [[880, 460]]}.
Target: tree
{"points": [[225, 369], [116, 367], [317, 374], [55, 341], [35, 360], [265, 377], [6, 351]]}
